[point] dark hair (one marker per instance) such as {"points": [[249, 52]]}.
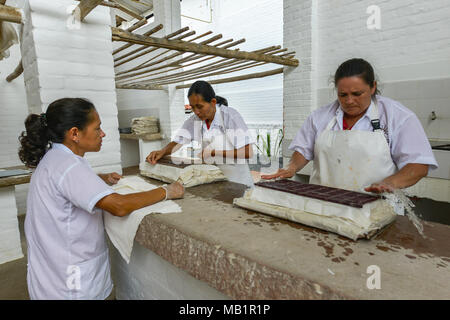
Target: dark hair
{"points": [[204, 89], [356, 67], [51, 126]]}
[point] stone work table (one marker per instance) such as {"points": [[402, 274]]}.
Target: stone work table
{"points": [[248, 255]]}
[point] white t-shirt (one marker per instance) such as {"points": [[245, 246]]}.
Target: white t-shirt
{"points": [[235, 128], [67, 251], [407, 140]]}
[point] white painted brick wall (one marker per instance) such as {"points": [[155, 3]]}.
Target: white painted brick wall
{"points": [[411, 44], [13, 111], [299, 31], [410, 50], [261, 24], [60, 62], [169, 102]]}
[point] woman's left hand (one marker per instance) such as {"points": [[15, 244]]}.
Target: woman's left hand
{"points": [[380, 187], [112, 178]]}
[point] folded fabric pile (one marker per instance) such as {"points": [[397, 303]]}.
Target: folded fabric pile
{"points": [[144, 125], [188, 175]]}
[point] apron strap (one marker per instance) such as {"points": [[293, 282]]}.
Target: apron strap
{"points": [[374, 116]]}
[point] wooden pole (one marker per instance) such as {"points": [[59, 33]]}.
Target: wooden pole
{"points": [[148, 64], [162, 53], [154, 30], [85, 7], [239, 78], [127, 11], [178, 62], [17, 72], [233, 65], [10, 14], [137, 25], [149, 50], [221, 63], [182, 46]]}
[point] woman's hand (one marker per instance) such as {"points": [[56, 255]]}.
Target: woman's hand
{"points": [[154, 156], [174, 191], [111, 178], [281, 173], [380, 187]]}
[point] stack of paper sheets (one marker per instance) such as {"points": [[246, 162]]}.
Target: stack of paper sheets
{"points": [[187, 175], [144, 125], [345, 220], [122, 230]]}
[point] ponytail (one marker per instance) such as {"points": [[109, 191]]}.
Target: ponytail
{"points": [[221, 101], [44, 129], [34, 142]]}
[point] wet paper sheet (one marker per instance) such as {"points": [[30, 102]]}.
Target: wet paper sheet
{"points": [[122, 230]]}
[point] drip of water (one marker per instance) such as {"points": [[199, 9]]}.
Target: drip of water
{"points": [[400, 196]]}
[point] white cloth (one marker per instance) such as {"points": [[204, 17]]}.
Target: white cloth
{"points": [[122, 230], [8, 38], [64, 231], [351, 159], [407, 140]]}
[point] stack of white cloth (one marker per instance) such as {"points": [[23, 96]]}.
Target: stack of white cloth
{"points": [[144, 125], [8, 38], [122, 230], [188, 176]]}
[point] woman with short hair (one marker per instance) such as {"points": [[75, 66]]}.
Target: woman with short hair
{"points": [[362, 140]]}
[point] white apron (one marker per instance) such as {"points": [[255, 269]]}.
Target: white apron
{"points": [[235, 172], [352, 160]]}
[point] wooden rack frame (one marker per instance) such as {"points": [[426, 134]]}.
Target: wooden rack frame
{"points": [[167, 67]]}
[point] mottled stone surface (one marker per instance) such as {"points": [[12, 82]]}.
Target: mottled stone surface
{"points": [[247, 255]]}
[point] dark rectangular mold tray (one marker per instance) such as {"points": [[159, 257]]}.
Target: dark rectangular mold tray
{"points": [[341, 196]]}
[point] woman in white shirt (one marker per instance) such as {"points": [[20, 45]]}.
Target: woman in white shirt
{"points": [[67, 251], [221, 131], [362, 140]]}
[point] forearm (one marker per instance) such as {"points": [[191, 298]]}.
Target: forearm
{"points": [[408, 176], [297, 162], [103, 176], [122, 205], [245, 152], [171, 148]]}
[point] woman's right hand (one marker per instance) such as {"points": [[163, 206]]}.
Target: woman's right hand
{"points": [[154, 156], [281, 173], [174, 191]]}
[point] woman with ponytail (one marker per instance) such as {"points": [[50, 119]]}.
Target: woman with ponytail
{"points": [[221, 131], [67, 251]]}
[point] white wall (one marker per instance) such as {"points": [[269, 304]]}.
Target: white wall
{"points": [[13, 111], [261, 24], [410, 55], [167, 104]]}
